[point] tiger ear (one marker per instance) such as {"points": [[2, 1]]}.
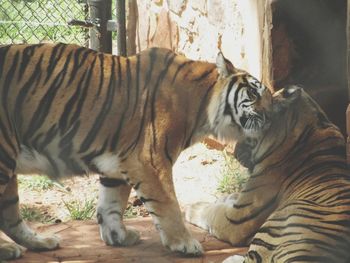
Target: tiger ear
{"points": [[224, 66], [285, 97], [291, 92]]}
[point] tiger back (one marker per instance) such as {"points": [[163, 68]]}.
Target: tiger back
{"points": [[295, 206], [68, 110]]}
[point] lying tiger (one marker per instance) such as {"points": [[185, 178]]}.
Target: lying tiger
{"points": [[295, 206], [68, 110]]}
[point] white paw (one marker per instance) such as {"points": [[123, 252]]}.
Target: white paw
{"points": [[42, 243], [189, 247], [10, 251], [228, 200], [118, 235], [234, 259], [194, 214]]}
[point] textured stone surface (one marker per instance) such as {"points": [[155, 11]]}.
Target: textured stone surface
{"points": [[166, 33], [200, 5], [177, 6], [80, 242]]}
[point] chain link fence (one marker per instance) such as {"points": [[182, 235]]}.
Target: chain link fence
{"points": [[33, 21]]}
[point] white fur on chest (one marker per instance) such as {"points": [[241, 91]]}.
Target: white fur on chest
{"points": [[107, 164], [32, 162]]}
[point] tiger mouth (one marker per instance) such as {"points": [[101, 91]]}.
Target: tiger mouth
{"points": [[253, 122]]}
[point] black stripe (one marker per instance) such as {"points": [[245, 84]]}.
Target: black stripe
{"points": [[107, 104], [46, 101], [166, 150], [253, 214], [49, 137], [6, 88], [235, 99], [83, 94], [227, 109], [7, 159], [205, 74], [28, 52], [179, 68], [201, 110], [3, 53], [32, 81], [102, 74], [137, 86], [112, 182], [137, 185], [152, 60], [262, 243], [78, 61], [155, 91], [64, 122], [254, 255], [56, 55]]}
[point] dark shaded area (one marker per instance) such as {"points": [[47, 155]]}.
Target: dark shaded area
{"points": [[309, 49]]}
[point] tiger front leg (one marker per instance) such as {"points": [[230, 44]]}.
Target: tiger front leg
{"points": [[156, 191], [13, 226], [113, 197], [235, 221]]}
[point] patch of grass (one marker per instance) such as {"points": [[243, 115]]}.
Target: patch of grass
{"points": [[234, 176], [34, 214], [35, 182], [131, 212], [81, 210]]}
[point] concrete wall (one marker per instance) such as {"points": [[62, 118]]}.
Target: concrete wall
{"points": [[200, 28]]}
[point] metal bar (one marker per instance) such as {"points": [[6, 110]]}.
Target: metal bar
{"points": [[121, 32], [100, 38], [348, 78]]}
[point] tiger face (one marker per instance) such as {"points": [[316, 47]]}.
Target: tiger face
{"points": [[245, 104]]}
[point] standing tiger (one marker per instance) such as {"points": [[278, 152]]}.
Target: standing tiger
{"points": [[295, 206], [68, 110]]}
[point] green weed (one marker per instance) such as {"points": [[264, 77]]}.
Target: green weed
{"points": [[34, 214], [35, 182], [234, 175], [81, 210]]}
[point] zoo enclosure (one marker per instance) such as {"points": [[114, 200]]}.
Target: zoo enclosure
{"points": [[33, 21], [84, 22]]}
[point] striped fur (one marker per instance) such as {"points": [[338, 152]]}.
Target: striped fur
{"points": [[296, 204], [67, 110]]}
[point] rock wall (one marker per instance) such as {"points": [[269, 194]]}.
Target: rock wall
{"points": [[200, 28]]}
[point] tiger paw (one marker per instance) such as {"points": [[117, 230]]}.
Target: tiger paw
{"points": [[234, 259], [194, 214], [10, 251], [189, 247], [40, 243], [119, 237]]}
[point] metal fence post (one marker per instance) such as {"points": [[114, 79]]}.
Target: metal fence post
{"points": [[121, 32], [100, 38]]}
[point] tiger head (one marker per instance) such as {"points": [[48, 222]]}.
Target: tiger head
{"points": [[240, 109], [293, 106]]}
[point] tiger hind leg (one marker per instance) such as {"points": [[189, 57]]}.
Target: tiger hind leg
{"points": [[157, 192], [13, 226], [113, 197]]}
